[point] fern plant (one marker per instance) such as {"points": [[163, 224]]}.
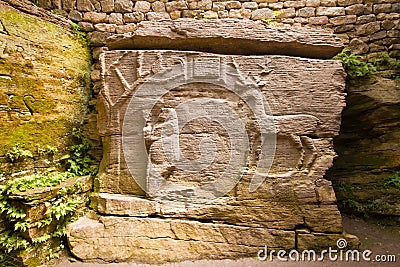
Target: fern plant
{"points": [[355, 68]]}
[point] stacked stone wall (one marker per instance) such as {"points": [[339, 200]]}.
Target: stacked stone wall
{"points": [[365, 25]]}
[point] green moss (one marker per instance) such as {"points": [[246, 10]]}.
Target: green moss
{"points": [[47, 94], [32, 135]]}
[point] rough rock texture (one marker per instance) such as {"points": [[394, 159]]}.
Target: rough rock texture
{"points": [[229, 37], [44, 86], [368, 148], [293, 208]]}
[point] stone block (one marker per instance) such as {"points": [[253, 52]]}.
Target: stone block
{"points": [[130, 27], [365, 19], [249, 5], [288, 13], [262, 13], [233, 5], [209, 14], [331, 11], [116, 18], [318, 20], [158, 6], [382, 8], [294, 4], [142, 6], [84, 5], [358, 46], [357, 9], [349, 2], [68, 5], [328, 3], [133, 17], [306, 12], [313, 3], [85, 26], [369, 28], [123, 6], [105, 27], [349, 19], [175, 14], [75, 16], [152, 240], [95, 17], [154, 16], [107, 6], [275, 6], [223, 14], [344, 28], [176, 5], [98, 38], [205, 4]]}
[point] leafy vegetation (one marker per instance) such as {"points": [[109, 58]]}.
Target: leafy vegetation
{"points": [[16, 153], [81, 36], [51, 213], [35, 181], [393, 180], [78, 160], [354, 66]]}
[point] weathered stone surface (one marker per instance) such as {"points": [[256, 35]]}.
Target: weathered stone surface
{"points": [[368, 29], [293, 194], [306, 12], [42, 89], [133, 17], [95, 17], [262, 13], [368, 148], [308, 241], [107, 5], [233, 4], [295, 4], [349, 2], [331, 11], [142, 6], [244, 37], [154, 16], [84, 5], [343, 20], [123, 6], [154, 240], [124, 205]]}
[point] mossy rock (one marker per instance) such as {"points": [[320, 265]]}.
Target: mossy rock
{"points": [[44, 81]]}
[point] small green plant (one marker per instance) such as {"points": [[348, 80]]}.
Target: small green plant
{"points": [[81, 36], [393, 180], [353, 65], [274, 20], [47, 150], [199, 15], [34, 181], [16, 153], [79, 162]]}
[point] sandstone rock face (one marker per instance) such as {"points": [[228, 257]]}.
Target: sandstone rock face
{"points": [[229, 37], [213, 155], [368, 148], [44, 80]]}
